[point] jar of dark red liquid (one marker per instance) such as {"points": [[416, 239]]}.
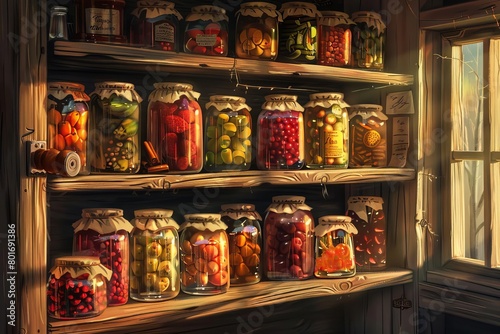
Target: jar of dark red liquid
{"points": [[204, 255], [368, 217], [289, 239], [335, 247], [280, 133], [245, 240], [228, 134], [175, 126], [77, 287], [103, 232], [206, 31], [368, 41], [155, 25], [334, 39]]}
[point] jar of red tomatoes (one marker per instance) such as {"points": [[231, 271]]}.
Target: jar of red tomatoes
{"points": [[206, 31], [280, 133], [104, 232], [175, 126], [334, 39], [289, 239]]}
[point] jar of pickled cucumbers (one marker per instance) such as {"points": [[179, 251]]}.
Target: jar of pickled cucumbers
{"points": [[206, 31], [326, 131], [368, 41], [334, 39], [228, 134]]}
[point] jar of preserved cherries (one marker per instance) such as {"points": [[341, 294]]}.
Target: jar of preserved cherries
{"points": [[228, 134], [368, 41], [155, 25], [280, 133], [103, 232], [335, 247], [154, 266], [206, 31], [77, 287], [334, 39], [115, 125], [326, 131], [289, 239], [257, 31], [204, 255], [175, 126], [245, 240]]}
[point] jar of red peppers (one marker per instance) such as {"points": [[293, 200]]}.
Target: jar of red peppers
{"points": [[104, 232], [334, 39], [289, 239], [175, 126], [368, 41], [206, 31], [77, 287], [280, 133]]}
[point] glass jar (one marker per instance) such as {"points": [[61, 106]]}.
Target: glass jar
{"points": [[67, 119], [334, 39], [175, 126], [326, 131], [204, 255], [77, 287], [103, 232], [257, 31], [228, 134], [245, 240], [154, 266], [335, 247], [298, 32], [155, 25], [368, 136], [115, 125], [280, 133], [289, 239], [206, 31], [367, 214], [58, 28], [368, 40]]}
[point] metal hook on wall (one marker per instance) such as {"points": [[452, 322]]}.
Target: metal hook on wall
{"points": [[324, 190]]}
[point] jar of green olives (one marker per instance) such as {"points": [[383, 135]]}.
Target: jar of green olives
{"points": [[368, 42]]}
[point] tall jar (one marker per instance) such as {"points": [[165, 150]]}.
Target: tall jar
{"points": [[326, 131], [257, 31], [280, 133], [154, 253], [228, 134], [115, 125], [67, 118], [175, 126], [368, 41], [289, 239], [77, 287], [204, 255], [104, 232], [298, 32], [334, 39], [335, 247], [368, 136], [206, 31], [245, 240], [155, 25]]}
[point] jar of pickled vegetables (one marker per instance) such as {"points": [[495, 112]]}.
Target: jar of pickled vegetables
{"points": [[257, 31], [104, 232], [245, 240], [175, 126], [228, 134], [204, 255], [368, 41], [335, 247], [289, 239], [206, 31], [334, 39], [326, 131], [115, 124], [280, 133]]}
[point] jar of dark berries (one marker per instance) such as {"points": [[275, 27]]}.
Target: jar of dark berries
{"points": [[334, 39], [104, 232], [368, 40], [206, 31]]}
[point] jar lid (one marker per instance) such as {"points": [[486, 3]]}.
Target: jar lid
{"points": [[366, 111], [372, 20], [288, 204], [207, 13], [326, 100], [281, 102], [298, 8], [240, 210], [172, 91], [154, 219], [102, 220], [60, 90], [54, 9], [223, 102], [79, 265], [203, 221], [358, 205], [258, 9], [334, 18], [153, 9], [124, 89], [331, 223]]}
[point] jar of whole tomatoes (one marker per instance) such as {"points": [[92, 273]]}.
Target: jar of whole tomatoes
{"points": [[368, 41], [104, 232], [175, 126], [228, 134], [289, 239], [334, 39], [204, 255], [206, 31], [280, 133]]}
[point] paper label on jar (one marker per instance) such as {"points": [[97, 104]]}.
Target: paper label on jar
{"points": [[206, 39], [164, 32], [334, 143], [102, 21]]}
